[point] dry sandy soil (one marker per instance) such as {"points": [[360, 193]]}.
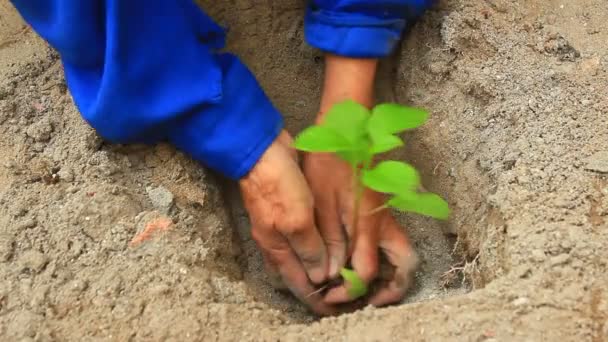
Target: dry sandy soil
{"points": [[518, 144]]}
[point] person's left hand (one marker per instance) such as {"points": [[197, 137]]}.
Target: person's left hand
{"points": [[331, 183]]}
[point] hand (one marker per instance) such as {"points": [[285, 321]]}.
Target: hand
{"points": [[280, 207], [331, 182]]}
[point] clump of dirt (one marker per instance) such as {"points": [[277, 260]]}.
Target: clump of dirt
{"points": [[135, 242]]}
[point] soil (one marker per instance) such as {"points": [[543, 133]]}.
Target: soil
{"points": [[517, 143]]}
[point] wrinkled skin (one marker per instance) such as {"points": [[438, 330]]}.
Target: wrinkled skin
{"points": [[280, 207], [302, 222], [331, 182], [376, 232]]}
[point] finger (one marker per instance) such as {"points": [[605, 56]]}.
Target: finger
{"points": [[389, 293], [279, 256], [397, 248], [297, 281], [364, 259], [345, 198], [333, 235], [272, 272], [305, 240]]}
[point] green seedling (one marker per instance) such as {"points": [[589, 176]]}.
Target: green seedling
{"points": [[357, 135], [356, 286]]}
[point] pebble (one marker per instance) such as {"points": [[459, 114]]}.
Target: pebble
{"points": [[538, 255], [559, 259], [521, 301], [160, 290], [66, 175], [78, 286], [27, 224], [40, 131], [161, 198], [33, 260]]}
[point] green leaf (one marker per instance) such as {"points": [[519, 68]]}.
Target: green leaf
{"points": [[427, 204], [392, 177], [355, 286], [353, 158], [321, 139], [382, 142], [393, 118], [349, 119], [356, 157]]}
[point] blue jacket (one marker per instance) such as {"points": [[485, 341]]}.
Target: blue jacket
{"points": [[148, 70]]}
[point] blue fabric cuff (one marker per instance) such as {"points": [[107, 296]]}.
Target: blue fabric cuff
{"points": [[352, 35], [231, 135]]}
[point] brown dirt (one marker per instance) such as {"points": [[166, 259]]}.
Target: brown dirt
{"points": [[517, 143]]}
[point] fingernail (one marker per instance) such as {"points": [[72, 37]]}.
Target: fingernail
{"points": [[317, 275], [334, 267]]}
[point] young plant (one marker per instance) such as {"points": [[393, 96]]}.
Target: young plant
{"points": [[357, 135]]}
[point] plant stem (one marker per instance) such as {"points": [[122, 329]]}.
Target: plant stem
{"points": [[358, 190]]}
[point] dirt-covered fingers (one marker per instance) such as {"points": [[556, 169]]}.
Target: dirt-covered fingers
{"points": [[305, 240], [272, 272], [330, 228], [398, 251], [280, 258], [364, 258], [279, 202], [324, 189]]}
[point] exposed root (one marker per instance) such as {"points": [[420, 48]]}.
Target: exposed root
{"points": [[319, 290], [463, 270]]}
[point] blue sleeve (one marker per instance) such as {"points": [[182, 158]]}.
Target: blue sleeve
{"points": [[360, 28], [145, 71]]}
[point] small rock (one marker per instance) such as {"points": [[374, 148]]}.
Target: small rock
{"points": [[33, 260], [27, 224], [538, 255], [162, 199], [160, 290], [40, 131], [78, 286], [598, 162], [93, 141], [521, 301], [559, 259], [66, 175]]}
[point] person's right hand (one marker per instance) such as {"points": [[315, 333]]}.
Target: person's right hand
{"points": [[280, 206]]}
